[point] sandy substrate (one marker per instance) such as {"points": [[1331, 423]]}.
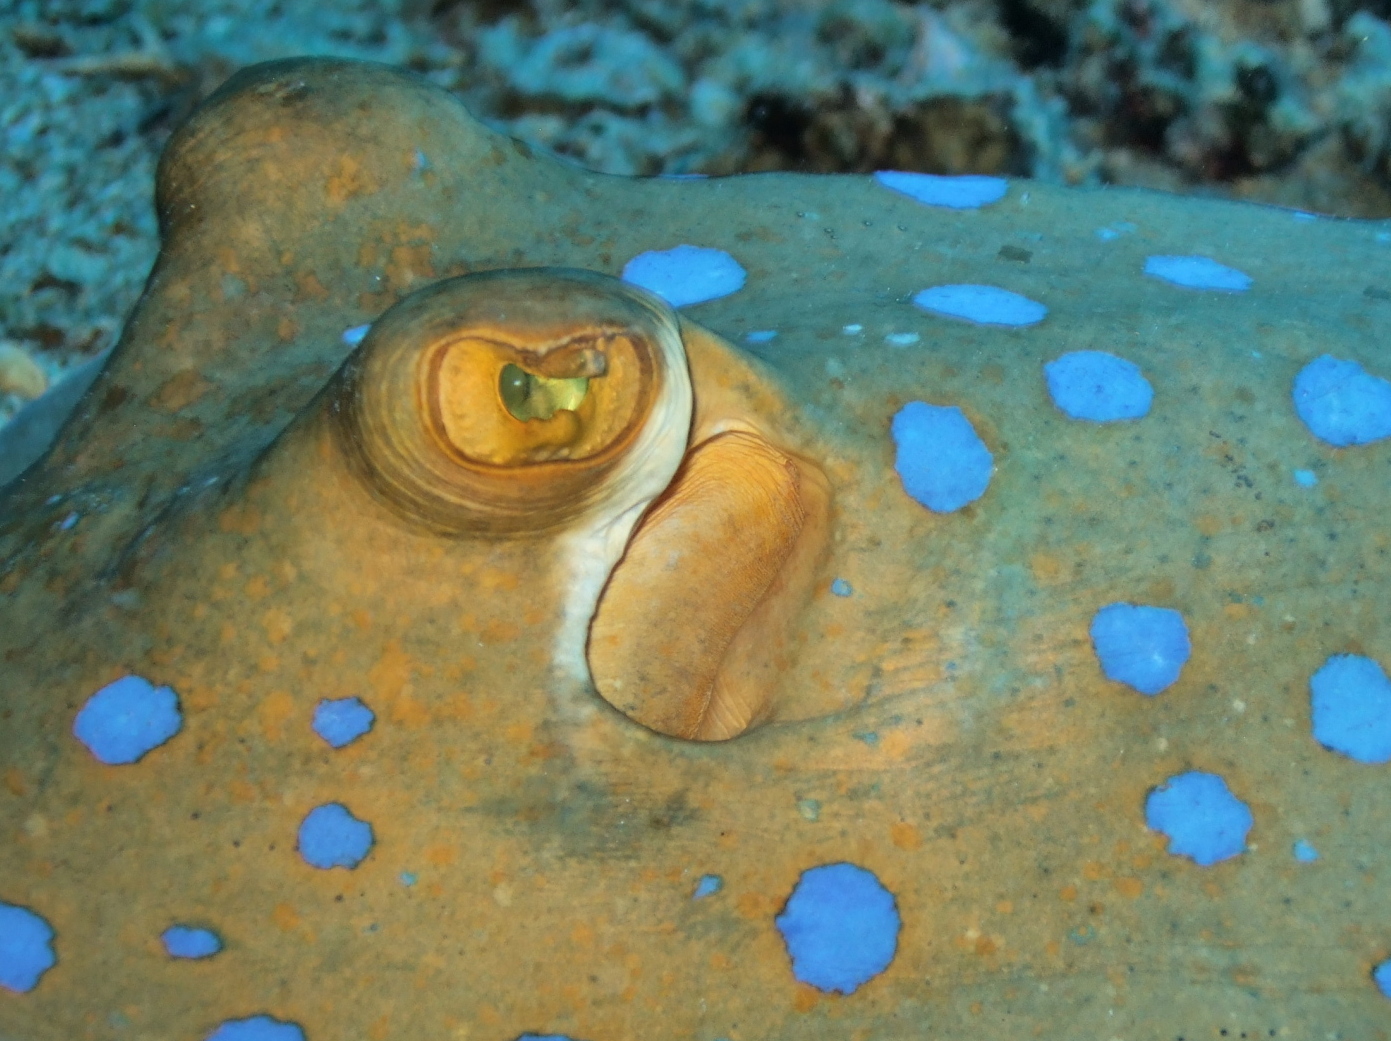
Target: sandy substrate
{"points": [[1286, 101]]}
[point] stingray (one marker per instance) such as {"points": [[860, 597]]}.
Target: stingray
{"points": [[480, 598]]}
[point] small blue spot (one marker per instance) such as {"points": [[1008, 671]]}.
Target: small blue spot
{"points": [[69, 522], [1201, 817], [984, 305], [1342, 403], [940, 458], [421, 162], [544, 1037], [840, 926], [1143, 647], [332, 837], [182, 941], [1082, 935], [26, 948], [761, 336], [1098, 387], [1304, 852], [901, 339], [340, 721], [840, 587], [1115, 231], [408, 878], [869, 737], [126, 719], [708, 885], [1195, 272], [257, 1028], [1306, 478], [354, 336], [685, 274], [1381, 975], [966, 192], [1351, 707]]}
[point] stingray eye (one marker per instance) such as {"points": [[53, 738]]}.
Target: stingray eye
{"points": [[516, 402]]}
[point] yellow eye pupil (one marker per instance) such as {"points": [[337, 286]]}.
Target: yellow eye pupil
{"points": [[527, 396]]}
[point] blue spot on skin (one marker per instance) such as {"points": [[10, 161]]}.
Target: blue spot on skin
{"points": [[1306, 478], [840, 926], [840, 587], [869, 737], [544, 1037], [26, 948], [257, 1028], [1304, 852], [984, 305], [341, 721], [1351, 701], [125, 719], [1342, 403], [408, 878], [686, 274], [1193, 272], [761, 336], [708, 885], [968, 192], [354, 336], [1201, 817], [182, 941], [1098, 387], [1381, 976], [940, 458], [332, 837], [1143, 647], [1115, 231]]}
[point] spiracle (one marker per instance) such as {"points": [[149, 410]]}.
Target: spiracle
{"points": [[516, 403]]}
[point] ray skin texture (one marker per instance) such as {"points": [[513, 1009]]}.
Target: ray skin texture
{"points": [[794, 665]]}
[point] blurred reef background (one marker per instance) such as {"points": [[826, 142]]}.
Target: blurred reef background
{"points": [[1285, 102]]}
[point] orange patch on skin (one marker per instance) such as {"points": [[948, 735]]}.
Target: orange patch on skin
{"points": [[895, 744], [179, 391], [905, 836], [278, 624], [1129, 887], [285, 917], [309, 286], [1093, 871], [757, 906], [14, 782], [499, 631], [380, 1028], [1207, 524], [1067, 894], [518, 733], [286, 329], [985, 945], [409, 711], [806, 997], [1047, 569], [391, 673], [275, 711], [1237, 612], [439, 855], [348, 180]]}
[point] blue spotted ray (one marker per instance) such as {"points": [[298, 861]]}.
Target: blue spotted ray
{"points": [[971, 623]]}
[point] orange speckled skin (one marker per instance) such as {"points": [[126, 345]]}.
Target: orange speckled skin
{"points": [[225, 551]]}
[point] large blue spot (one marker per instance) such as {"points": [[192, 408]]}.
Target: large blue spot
{"points": [[26, 948], [1195, 272], [125, 719], [1142, 647], [708, 885], [940, 458], [183, 941], [966, 192], [1201, 816], [840, 926], [686, 274], [340, 721], [1381, 976], [1342, 403], [332, 837], [984, 305], [257, 1028], [1351, 701], [1098, 387]]}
